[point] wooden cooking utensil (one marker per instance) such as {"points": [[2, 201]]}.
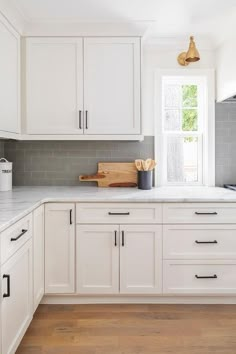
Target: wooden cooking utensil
{"points": [[138, 164], [148, 164]]}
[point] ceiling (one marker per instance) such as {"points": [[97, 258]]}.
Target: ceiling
{"points": [[166, 17]]}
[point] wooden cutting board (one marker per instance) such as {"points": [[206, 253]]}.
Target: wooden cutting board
{"points": [[114, 174]]}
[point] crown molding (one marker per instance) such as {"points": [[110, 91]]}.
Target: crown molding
{"points": [[85, 29], [12, 16]]}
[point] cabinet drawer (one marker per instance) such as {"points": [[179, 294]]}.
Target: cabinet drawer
{"points": [[15, 236], [199, 241], [199, 213], [199, 277], [115, 213]]}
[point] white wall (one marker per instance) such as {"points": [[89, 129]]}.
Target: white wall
{"points": [[154, 57]]}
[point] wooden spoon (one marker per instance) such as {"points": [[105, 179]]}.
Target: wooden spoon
{"points": [[148, 164], [138, 164], [153, 164]]}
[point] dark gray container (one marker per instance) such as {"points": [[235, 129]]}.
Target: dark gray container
{"points": [[145, 180]]}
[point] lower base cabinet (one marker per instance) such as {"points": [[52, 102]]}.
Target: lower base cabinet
{"points": [[38, 256], [60, 248], [112, 259], [16, 276]]}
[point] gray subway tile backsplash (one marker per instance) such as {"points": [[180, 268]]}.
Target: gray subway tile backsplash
{"points": [[61, 162]]}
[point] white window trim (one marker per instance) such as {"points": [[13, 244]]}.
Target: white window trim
{"points": [[209, 141]]}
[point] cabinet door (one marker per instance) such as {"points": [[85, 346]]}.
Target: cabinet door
{"points": [[38, 255], [97, 259], [54, 85], [112, 85], [59, 248], [10, 80], [16, 297], [140, 259]]}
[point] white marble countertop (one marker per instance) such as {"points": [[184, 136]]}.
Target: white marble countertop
{"points": [[22, 200]]}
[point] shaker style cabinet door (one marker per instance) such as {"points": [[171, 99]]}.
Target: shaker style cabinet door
{"points": [[140, 259], [112, 85], [97, 259], [54, 85], [59, 248], [38, 255], [16, 278], [10, 79]]}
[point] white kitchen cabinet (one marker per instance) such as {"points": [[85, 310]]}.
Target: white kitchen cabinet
{"points": [[199, 277], [54, 85], [112, 85], [140, 259], [16, 275], [77, 86], [199, 241], [97, 259], [38, 256], [10, 79], [225, 70], [113, 259], [59, 248]]}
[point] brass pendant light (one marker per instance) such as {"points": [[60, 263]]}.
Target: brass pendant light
{"points": [[191, 56]]}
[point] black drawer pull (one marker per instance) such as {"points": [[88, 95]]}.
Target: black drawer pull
{"points": [[123, 238], [17, 238], [71, 217], [110, 213], [115, 238], [206, 213], [8, 293], [206, 242], [206, 277]]}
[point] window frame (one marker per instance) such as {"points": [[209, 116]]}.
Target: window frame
{"points": [[208, 126]]}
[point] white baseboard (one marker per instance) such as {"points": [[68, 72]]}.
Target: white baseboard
{"points": [[75, 299]]}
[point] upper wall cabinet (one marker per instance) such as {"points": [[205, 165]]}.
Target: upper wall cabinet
{"points": [[87, 86], [226, 71], [10, 80], [54, 97], [112, 85]]}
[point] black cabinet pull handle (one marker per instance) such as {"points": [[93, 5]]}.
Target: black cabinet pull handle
{"points": [[123, 238], [86, 119], [206, 277], [71, 217], [115, 238], [8, 293], [110, 213], [80, 119], [206, 213], [206, 242], [21, 234]]}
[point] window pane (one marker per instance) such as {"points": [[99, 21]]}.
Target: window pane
{"points": [[190, 120], [182, 159], [189, 96], [172, 120], [172, 96]]}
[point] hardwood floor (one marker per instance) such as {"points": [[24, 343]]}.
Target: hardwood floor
{"points": [[131, 329]]}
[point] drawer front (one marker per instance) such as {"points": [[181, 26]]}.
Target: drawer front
{"points": [[199, 277], [15, 236], [115, 213], [199, 241], [199, 213]]}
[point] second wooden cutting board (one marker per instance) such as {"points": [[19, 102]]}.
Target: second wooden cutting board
{"points": [[114, 174]]}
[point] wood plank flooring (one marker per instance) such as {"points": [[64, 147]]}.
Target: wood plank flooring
{"points": [[131, 329]]}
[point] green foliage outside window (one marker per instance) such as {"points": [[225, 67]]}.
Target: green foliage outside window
{"points": [[189, 100]]}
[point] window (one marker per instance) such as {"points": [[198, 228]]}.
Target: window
{"points": [[183, 134]]}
